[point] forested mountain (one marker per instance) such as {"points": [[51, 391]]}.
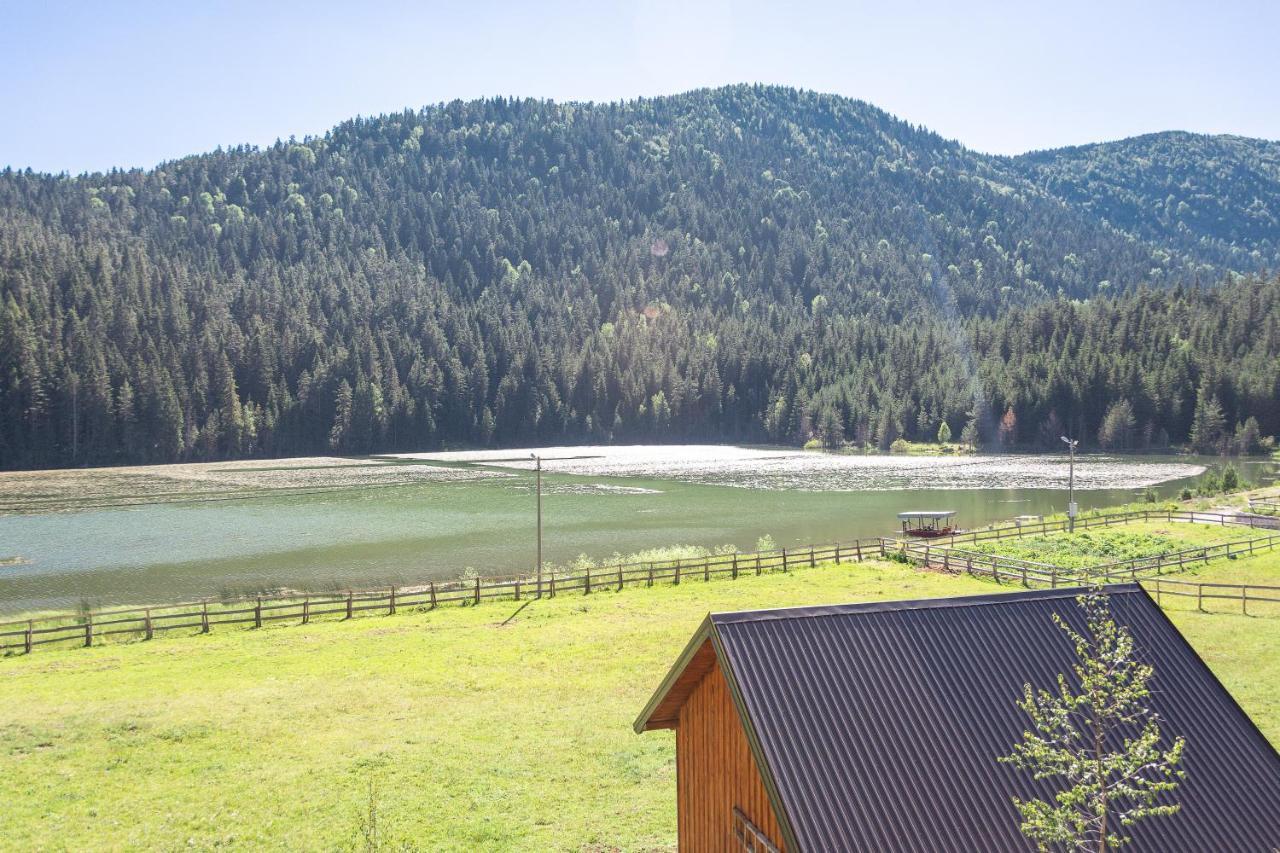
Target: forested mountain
{"points": [[740, 263]]}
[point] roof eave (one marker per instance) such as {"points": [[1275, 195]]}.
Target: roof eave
{"points": [[645, 722]]}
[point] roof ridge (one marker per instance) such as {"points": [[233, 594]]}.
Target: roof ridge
{"points": [[941, 602]]}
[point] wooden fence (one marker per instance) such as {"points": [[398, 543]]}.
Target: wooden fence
{"points": [[1030, 573], [1013, 530], [1271, 506], [201, 617]]}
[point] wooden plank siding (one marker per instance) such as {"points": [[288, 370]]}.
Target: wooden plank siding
{"points": [[715, 771]]}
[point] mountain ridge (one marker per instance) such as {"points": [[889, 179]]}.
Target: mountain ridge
{"points": [[509, 270]]}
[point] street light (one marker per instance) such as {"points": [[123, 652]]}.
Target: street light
{"points": [[1071, 484], [538, 467]]}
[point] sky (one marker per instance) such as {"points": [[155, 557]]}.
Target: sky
{"points": [[93, 85]]}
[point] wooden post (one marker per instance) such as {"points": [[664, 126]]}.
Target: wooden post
{"points": [[586, 587], [27, 637], [784, 560], [517, 589], [758, 570], [553, 584], [391, 608], [735, 565], [147, 624], [306, 609], [257, 613], [1024, 576], [204, 617], [350, 602], [837, 553], [619, 577], [1159, 601], [969, 565], [477, 597], [882, 548], [1053, 578], [676, 582], [706, 569], [651, 574], [858, 547], [946, 561], [1244, 600], [88, 630], [433, 595], [1200, 596]]}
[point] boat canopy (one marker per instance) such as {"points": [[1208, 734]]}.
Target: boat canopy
{"points": [[915, 515]]}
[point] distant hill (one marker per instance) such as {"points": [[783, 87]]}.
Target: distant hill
{"points": [[1216, 198], [746, 262]]}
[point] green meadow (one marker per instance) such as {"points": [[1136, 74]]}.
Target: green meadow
{"points": [[492, 727]]}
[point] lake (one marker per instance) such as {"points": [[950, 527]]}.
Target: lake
{"points": [[176, 532]]}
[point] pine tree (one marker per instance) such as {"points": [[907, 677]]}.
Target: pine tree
{"points": [[1095, 737]]}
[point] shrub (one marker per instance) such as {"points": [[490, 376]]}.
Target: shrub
{"points": [[899, 446]]}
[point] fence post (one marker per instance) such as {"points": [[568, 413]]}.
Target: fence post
{"points": [[882, 547], [858, 549], [391, 608], [88, 630], [477, 598], [946, 561], [1244, 600], [619, 577], [586, 588], [651, 574], [1053, 578], [735, 565], [204, 617], [784, 560], [257, 613], [676, 581], [433, 595], [1159, 600], [837, 553], [306, 609], [758, 562], [147, 625], [1200, 596], [706, 569], [350, 602], [517, 589], [969, 565], [27, 637], [1024, 577], [812, 562], [553, 584]]}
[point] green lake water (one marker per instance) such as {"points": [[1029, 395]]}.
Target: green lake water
{"points": [[403, 534]]}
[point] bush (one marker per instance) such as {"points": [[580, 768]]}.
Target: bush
{"points": [[1187, 494], [813, 444], [899, 445], [1150, 496], [1230, 479]]}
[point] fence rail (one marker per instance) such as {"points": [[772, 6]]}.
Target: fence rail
{"points": [[1146, 569], [1266, 505], [202, 616]]}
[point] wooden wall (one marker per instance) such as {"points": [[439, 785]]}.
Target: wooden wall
{"points": [[715, 771]]}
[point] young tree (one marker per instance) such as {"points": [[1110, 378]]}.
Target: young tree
{"points": [[1097, 735], [1116, 432], [944, 433], [1009, 428], [1208, 424]]}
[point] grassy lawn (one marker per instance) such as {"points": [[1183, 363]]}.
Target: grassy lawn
{"points": [[463, 732], [476, 735], [1096, 545]]}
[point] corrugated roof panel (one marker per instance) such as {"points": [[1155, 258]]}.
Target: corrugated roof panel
{"points": [[880, 724]]}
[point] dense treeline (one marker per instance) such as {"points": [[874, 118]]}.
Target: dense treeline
{"points": [[744, 263]]}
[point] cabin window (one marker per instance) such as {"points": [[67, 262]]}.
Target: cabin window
{"points": [[750, 837]]}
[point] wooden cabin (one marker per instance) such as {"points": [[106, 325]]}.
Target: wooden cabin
{"points": [[877, 727]]}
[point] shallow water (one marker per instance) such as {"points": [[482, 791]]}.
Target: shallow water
{"points": [[200, 530]]}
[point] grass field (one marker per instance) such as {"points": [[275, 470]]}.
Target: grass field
{"points": [[476, 735], [455, 729], [1097, 545]]}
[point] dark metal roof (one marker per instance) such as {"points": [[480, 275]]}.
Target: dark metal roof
{"points": [[877, 726]]}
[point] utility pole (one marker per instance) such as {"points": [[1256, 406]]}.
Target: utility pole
{"points": [[1071, 484], [537, 460]]}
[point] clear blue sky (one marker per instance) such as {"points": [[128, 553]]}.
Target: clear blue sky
{"points": [[91, 85]]}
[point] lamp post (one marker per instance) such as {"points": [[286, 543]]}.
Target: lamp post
{"points": [[537, 460], [1071, 484]]}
